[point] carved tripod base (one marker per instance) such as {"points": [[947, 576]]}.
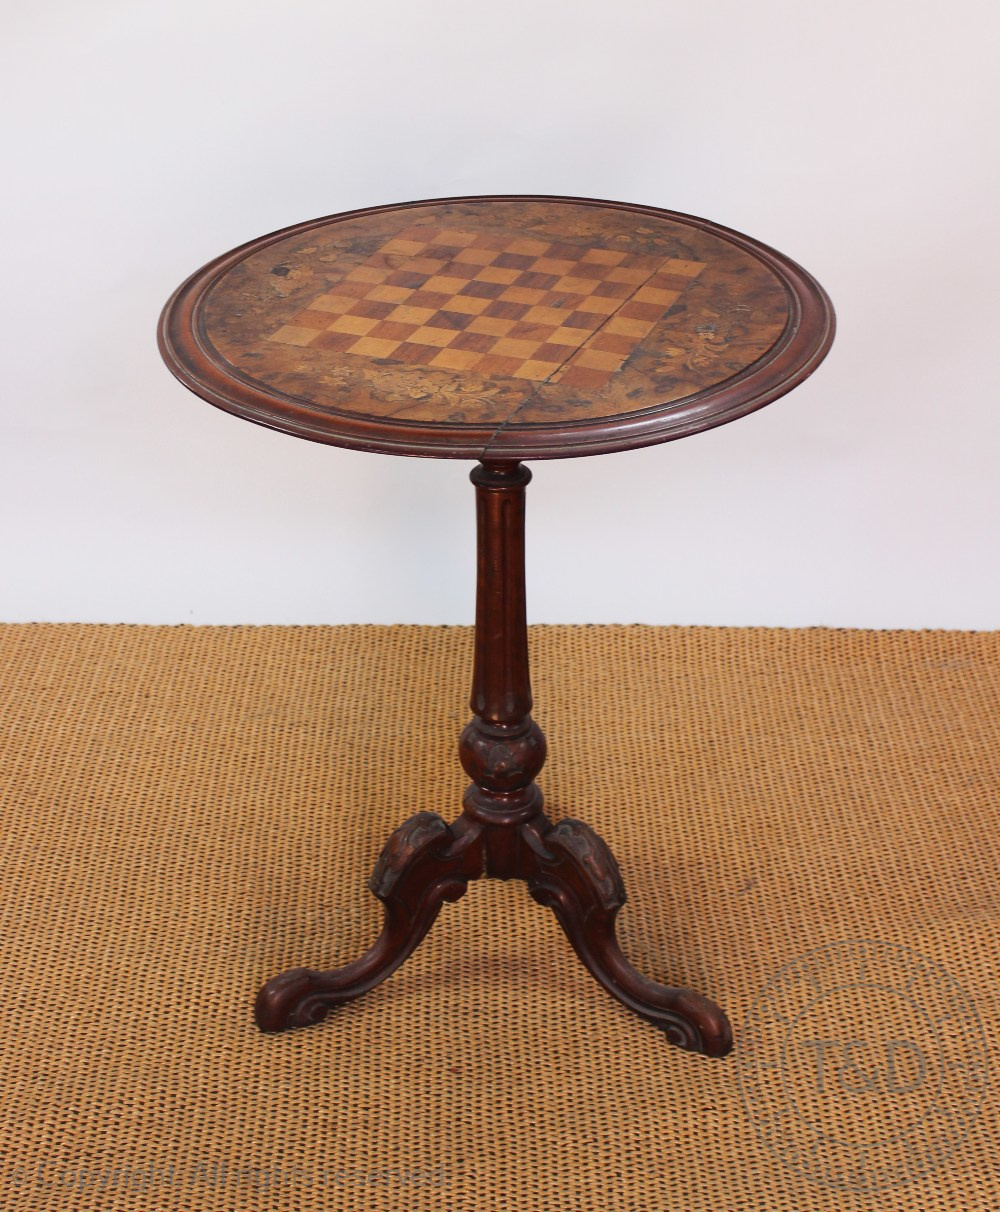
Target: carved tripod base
{"points": [[502, 831], [567, 867]]}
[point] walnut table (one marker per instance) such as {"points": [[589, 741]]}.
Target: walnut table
{"points": [[497, 329]]}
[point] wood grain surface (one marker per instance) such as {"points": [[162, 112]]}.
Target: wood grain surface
{"points": [[506, 327]]}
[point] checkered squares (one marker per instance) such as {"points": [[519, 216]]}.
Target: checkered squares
{"points": [[495, 304]]}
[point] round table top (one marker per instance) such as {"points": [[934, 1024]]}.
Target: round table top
{"points": [[497, 328]]}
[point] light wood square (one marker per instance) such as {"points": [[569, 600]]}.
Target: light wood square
{"points": [[491, 326], [467, 305], [598, 306], [533, 369], [603, 256], [294, 334], [354, 324], [404, 314], [687, 269], [580, 286], [374, 347], [631, 328], [522, 294], [421, 265], [493, 273], [598, 359], [545, 315], [456, 359], [574, 337], [508, 347], [389, 294], [367, 273], [451, 237], [408, 248], [445, 285], [652, 294], [433, 336], [333, 303], [632, 276]]}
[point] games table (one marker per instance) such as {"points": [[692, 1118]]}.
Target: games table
{"points": [[497, 329]]}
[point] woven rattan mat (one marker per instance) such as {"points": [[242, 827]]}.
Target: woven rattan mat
{"points": [[186, 811]]}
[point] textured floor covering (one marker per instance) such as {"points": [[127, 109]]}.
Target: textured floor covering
{"points": [[186, 811]]}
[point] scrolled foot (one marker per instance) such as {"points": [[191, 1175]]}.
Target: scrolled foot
{"points": [[293, 999], [688, 1019], [574, 873]]}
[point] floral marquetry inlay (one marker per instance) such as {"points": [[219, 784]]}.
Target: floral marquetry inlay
{"points": [[455, 326]]}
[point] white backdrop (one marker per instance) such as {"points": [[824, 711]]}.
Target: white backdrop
{"points": [[141, 139]]}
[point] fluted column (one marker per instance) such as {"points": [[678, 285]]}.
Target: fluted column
{"points": [[502, 749]]}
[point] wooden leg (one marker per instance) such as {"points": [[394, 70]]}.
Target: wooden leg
{"points": [[502, 831], [423, 864], [571, 870]]}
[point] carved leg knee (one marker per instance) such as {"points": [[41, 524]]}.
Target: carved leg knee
{"points": [[574, 873]]}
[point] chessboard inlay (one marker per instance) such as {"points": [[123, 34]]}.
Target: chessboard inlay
{"points": [[494, 303]]}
